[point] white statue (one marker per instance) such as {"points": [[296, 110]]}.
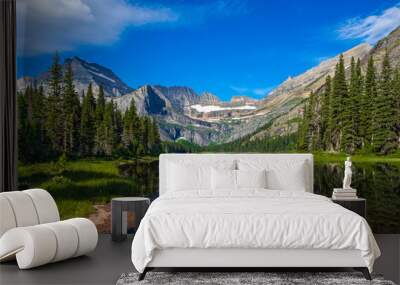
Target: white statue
{"points": [[347, 174]]}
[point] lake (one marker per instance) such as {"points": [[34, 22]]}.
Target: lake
{"points": [[379, 183]]}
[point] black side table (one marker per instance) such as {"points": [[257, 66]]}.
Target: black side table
{"points": [[357, 205], [119, 214]]}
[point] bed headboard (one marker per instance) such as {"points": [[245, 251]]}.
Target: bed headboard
{"points": [[214, 158]]}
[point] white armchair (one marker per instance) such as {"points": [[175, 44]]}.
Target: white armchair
{"points": [[31, 230]]}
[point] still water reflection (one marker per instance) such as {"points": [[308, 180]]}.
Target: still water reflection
{"points": [[379, 183]]}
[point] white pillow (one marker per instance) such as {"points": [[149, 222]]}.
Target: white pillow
{"points": [[290, 177], [182, 177], [251, 178], [281, 174], [223, 179]]}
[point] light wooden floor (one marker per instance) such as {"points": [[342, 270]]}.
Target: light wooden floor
{"points": [[110, 260]]}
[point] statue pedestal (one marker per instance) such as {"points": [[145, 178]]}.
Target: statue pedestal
{"points": [[348, 190], [344, 194]]}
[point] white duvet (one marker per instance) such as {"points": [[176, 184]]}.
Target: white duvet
{"points": [[250, 219]]}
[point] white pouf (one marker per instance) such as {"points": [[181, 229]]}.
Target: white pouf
{"points": [[31, 232]]}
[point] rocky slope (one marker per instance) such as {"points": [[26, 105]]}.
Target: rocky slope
{"points": [[299, 87], [390, 44], [285, 103], [201, 119], [84, 73], [286, 100], [169, 107]]}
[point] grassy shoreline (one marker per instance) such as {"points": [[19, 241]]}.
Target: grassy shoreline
{"points": [[77, 185], [321, 157]]}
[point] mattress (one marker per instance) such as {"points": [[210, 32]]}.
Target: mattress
{"points": [[250, 219]]}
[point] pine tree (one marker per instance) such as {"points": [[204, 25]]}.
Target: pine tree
{"points": [[384, 135], [357, 104], [39, 109], [312, 132], [100, 131], [31, 111], [39, 113], [71, 111], [108, 127], [141, 145], [396, 95], [367, 105], [349, 112], [307, 130], [303, 129], [156, 147], [147, 139], [326, 114], [55, 120], [339, 95], [87, 130], [32, 131], [22, 121], [131, 130], [150, 136], [118, 125], [29, 95]]}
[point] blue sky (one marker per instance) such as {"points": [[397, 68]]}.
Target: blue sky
{"points": [[226, 47]]}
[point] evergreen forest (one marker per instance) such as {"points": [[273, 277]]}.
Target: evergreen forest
{"points": [[355, 112], [59, 123]]}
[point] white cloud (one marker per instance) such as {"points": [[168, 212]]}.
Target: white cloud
{"points": [[261, 91], [371, 28], [48, 25], [45, 26], [199, 12], [253, 91], [239, 89]]}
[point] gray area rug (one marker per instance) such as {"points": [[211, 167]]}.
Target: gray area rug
{"points": [[228, 278]]}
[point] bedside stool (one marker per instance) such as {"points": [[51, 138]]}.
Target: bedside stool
{"points": [[357, 205], [119, 214]]}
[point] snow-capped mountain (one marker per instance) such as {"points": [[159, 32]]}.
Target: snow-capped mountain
{"points": [[84, 73]]}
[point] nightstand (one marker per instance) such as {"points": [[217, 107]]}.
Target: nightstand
{"points": [[119, 214], [357, 205]]}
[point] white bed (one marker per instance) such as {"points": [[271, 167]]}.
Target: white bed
{"points": [[250, 226]]}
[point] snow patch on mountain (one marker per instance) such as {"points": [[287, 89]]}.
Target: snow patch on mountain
{"points": [[102, 75], [214, 108]]}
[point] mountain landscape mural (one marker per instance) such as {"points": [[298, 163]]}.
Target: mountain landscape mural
{"points": [[204, 118], [87, 135]]}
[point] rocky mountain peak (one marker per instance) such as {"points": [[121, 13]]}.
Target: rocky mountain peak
{"points": [[84, 74], [243, 100], [208, 98]]}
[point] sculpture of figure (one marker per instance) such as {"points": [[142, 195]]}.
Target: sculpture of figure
{"points": [[347, 174]]}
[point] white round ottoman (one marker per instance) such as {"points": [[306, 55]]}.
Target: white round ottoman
{"points": [[31, 232]]}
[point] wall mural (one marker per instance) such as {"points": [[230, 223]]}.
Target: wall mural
{"points": [[112, 84]]}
